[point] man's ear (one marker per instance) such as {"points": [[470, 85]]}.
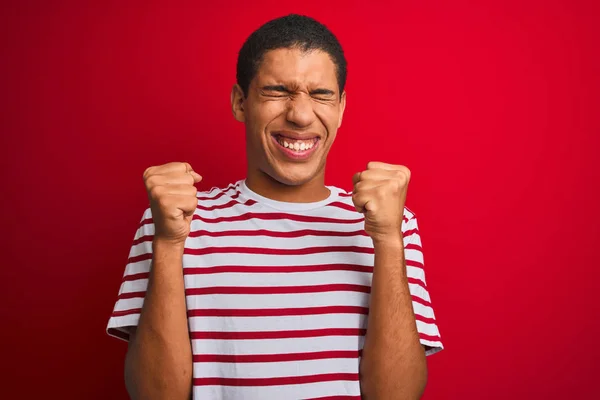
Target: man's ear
{"points": [[237, 103], [342, 108]]}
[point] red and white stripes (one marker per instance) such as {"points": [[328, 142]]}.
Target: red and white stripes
{"points": [[277, 294]]}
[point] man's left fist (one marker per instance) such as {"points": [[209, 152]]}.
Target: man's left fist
{"points": [[380, 193]]}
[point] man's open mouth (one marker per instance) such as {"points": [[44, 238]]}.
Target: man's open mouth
{"points": [[296, 144], [296, 148]]}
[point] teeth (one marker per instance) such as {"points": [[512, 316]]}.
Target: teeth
{"points": [[296, 146]]}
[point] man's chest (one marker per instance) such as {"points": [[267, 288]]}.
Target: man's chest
{"points": [[283, 282], [277, 309]]}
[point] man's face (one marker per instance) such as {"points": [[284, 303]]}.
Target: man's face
{"points": [[292, 114]]}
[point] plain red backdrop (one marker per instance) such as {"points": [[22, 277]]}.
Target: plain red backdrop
{"points": [[494, 107]]}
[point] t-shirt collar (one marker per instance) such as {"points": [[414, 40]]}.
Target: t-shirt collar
{"points": [[286, 206]]}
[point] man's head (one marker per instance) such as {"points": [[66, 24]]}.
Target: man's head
{"points": [[291, 74]]}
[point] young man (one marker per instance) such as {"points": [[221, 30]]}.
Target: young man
{"points": [[265, 289]]}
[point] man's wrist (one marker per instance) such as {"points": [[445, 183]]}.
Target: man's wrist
{"points": [[167, 248], [389, 254], [389, 242]]}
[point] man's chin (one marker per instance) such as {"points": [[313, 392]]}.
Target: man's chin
{"points": [[291, 181], [294, 178]]}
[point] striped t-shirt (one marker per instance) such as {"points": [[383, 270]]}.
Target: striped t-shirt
{"points": [[277, 294]]}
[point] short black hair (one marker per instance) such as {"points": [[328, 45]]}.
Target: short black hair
{"points": [[290, 31]]}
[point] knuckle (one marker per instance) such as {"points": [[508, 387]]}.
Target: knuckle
{"points": [[404, 170], [404, 179], [155, 192], [147, 172], [193, 203], [358, 200], [151, 181]]}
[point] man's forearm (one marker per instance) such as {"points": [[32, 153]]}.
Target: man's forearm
{"points": [[393, 364], [159, 359]]}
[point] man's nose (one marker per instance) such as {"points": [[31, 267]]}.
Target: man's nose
{"points": [[300, 110]]}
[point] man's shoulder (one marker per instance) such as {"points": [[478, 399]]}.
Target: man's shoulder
{"points": [[409, 214], [220, 193], [345, 197]]}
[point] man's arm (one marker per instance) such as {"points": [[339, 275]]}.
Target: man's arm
{"points": [[393, 364], [158, 364]]}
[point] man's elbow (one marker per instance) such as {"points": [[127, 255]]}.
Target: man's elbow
{"points": [[157, 386], [422, 380], [144, 380], [393, 383], [420, 377]]}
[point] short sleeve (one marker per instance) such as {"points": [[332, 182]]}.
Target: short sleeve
{"points": [[429, 333], [127, 309]]}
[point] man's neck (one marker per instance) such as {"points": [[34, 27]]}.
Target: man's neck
{"points": [[268, 187]]}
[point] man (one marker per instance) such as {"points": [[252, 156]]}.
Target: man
{"points": [[264, 289]]}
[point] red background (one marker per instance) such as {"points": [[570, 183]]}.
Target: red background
{"points": [[493, 107]]}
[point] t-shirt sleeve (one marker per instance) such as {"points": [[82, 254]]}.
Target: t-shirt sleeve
{"points": [[429, 333], [127, 309]]}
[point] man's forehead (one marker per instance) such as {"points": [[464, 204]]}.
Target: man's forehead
{"points": [[297, 66]]}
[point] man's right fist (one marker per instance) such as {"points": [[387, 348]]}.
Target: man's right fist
{"points": [[173, 199]]}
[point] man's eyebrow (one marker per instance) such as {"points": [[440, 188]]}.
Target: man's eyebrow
{"points": [[285, 89], [326, 92], [276, 88]]}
